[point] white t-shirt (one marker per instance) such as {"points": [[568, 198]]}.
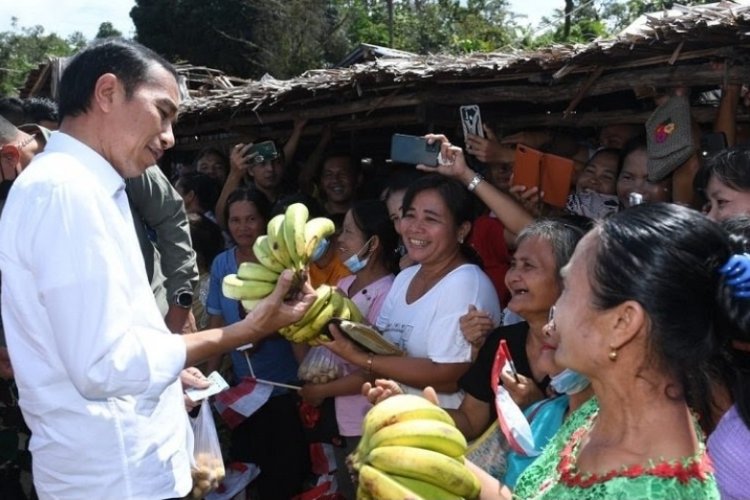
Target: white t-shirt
{"points": [[429, 326], [97, 370]]}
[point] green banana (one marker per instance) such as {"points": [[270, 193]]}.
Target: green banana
{"points": [[313, 329], [257, 272], [426, 465], [425, 489], [428, 434], [315, 230], [362, 494], [380, 486], [238, 289], [354, 312], [293, 230], [262, 251], [323, 296], [275, 233]]}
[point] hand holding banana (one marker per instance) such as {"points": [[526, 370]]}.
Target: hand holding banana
{"points": [[289, 243]]}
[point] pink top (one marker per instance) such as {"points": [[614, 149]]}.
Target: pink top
{"points": [[351, 409]]}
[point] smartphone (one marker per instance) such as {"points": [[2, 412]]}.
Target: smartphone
{"points": [[471, 119], [506, 351], [414, 150], [265, 151], [556, 175], [713, 143], [526, 167]]}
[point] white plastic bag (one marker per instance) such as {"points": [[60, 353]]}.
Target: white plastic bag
{"points": [[320, 366], [207, 466]]}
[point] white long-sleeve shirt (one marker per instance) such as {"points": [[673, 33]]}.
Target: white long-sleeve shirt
{"points": [[96, 368]]}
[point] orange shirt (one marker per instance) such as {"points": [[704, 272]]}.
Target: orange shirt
{"points": [[330, 274]]}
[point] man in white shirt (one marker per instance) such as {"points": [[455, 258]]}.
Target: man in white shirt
{"points": [[97, 370]]}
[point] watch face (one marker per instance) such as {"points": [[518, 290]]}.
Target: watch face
{"points": [[184, 299]]}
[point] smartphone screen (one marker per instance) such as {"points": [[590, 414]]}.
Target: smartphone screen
{"points": [[265, 150], [471, 120], [414, 150]]}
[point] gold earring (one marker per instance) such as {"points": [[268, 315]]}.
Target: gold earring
{"points": [[612, 354]]}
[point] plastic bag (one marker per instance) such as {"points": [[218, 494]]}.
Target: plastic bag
{"points": [[320, 366], [207, 466]]}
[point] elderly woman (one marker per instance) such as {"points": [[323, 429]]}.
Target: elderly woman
{"points": [[643, 338], [422, 310]]}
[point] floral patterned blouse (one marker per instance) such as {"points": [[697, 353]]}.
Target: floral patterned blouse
{"points": [[554, 474]]}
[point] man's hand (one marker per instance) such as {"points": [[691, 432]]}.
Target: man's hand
{"points": [[278, 309], [180, 319], [240, 159], [6, 369], [489, 149], [192, 377]]}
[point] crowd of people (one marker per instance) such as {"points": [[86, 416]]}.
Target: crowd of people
{"points": [[626, 311]]}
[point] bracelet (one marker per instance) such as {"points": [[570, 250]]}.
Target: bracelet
{"points": [[369, 362], [474, 182]]}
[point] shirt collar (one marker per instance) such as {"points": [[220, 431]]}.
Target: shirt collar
{"points": [[60, 142]]}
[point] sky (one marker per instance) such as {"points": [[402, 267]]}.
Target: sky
{"points": [[66, 16]]}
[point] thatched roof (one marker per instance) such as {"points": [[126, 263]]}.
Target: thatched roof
{"points": [[524, 86]]}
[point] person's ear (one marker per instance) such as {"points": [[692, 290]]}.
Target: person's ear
{"points": [[627, 320], [10, 161], [106, 90], [374, 244], [463, 231]]}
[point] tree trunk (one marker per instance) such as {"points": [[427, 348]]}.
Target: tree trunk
{"points": [[566, 26]]}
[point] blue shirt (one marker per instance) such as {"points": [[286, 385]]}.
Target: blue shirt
{"points": [[273, 358]]}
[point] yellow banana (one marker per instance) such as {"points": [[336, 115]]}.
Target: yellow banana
{"points": [[321, 320], [257, 272], [428, 434], [400, 408], [381, 487], [249, 305], [315, 230], [425, 489], [293, 229], [238, 289], [339, 303], [362, 494], [302, 330], [262, 251], [425, 465], [276, 243]]}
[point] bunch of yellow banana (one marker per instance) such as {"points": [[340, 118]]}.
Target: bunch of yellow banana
{"points": [[411, 449], [289, 242], [328, 305]]}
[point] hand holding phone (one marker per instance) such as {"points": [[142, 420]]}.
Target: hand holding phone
{"points": [[262, 152], [414, 150], [471, 120]]}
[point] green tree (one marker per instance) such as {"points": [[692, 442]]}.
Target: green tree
{"points": [[106, 30], [24, 48]]}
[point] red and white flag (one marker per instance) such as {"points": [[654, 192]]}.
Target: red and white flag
{"points": [[236, 404]]}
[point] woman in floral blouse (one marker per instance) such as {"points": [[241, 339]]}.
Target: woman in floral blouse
{"points": [[641, 296]]}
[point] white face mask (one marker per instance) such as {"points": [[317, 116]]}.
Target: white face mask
{"points": [[569, 382], [354, 264]]}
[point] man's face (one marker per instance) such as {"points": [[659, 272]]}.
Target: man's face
{"points": [[141, 125], [337, 179]]}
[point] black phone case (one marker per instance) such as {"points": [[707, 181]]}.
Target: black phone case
{"points": [[414, 150]]}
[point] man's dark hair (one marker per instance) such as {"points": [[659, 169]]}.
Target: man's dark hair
{"points": [[11, 108], [127, 60], [40, 109]]}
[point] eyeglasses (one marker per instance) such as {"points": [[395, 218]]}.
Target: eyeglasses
{"points": [[551, 317]]}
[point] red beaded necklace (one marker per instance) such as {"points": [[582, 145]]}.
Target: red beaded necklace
{"points": [[696, 467]]}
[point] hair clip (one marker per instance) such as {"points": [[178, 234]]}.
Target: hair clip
{"points": [[737, 274]]}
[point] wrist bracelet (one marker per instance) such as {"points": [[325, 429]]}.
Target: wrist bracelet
{"points": [[369, 363], [474, 182]]}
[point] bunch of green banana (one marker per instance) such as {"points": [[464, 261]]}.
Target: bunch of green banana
{"points": [[289, 242], [328, 305], [411, 449]]}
